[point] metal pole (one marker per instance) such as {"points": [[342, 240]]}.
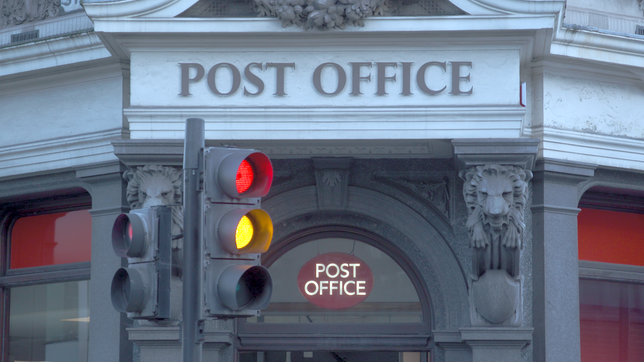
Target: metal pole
{"points": [[192, 323]]}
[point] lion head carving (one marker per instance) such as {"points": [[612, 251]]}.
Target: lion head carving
{"points": [[154, 185], [495, 196]]}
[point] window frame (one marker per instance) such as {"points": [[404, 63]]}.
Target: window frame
{"points": [[619, 200], [72, 200]]}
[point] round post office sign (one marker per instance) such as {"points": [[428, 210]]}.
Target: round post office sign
{"points": [[335, 280]]}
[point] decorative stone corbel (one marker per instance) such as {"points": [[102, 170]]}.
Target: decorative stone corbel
{"points": [[496, 173], [155, 185]]}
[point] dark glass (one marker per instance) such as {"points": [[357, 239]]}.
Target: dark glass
{"points": [[393, 298], [333, 356], [612, 321], [49, 322]]}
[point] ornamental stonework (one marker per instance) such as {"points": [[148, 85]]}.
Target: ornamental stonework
{"points": [[321, 14], [16, 12]]}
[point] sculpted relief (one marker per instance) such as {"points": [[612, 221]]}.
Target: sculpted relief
{"points": [[495, 196], [323, 14], [16, 12]]}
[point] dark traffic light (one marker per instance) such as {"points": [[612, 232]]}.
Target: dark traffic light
{"points": [[236, 232], [142, 289]]}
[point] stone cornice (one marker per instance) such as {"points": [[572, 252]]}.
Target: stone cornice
{"points": [[37, 157], [603, 150], [584, 43], [67, 50], [520, 152]]}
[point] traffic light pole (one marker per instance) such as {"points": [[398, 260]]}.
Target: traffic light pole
{"points": [[192, 324]]}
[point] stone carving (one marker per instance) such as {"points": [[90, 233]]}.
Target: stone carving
{"points": [[154, 185], [331, 177], [430, 186], [321, 14], [16, 12], [495, 196], [332, 182]]}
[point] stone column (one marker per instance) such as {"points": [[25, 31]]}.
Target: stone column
{"points": [[556, 193], [108, 340], [496, 173]]}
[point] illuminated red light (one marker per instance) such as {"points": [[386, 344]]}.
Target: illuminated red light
{"points": [[245, 176], [129, 232]]}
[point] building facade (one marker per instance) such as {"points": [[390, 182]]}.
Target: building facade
{"points": [[449, 145]]}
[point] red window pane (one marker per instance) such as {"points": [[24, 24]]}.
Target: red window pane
{"points": [[51, 239], [611, 237]]}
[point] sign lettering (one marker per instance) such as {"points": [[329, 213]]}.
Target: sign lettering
{"points": [[357, 75], [335, 280]]}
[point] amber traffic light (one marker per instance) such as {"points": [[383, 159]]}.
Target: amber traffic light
{"points": [[236, 231]]}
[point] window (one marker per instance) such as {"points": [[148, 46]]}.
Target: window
{"points": [[611, 286], [393, 298], [44, 286], [393, 316]]}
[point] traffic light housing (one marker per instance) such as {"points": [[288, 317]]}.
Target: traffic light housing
{"points": [[142, 289], [236, 232]]}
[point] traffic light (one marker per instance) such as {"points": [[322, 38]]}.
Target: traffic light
{"points": [[142, 289], [236, 232]]}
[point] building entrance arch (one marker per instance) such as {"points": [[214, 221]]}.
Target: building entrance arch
{"points": [[377, 223]]}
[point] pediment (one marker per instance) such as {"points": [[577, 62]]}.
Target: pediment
{"points": [[354, 10]]}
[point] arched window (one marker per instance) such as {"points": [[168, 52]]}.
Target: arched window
{"points": [[395, 305]]}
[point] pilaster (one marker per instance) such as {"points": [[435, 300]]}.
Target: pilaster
{"points": [[108, 342], [496, 173], [556, 193]]}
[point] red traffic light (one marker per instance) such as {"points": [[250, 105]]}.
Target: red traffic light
{"points": [[245, 176]]}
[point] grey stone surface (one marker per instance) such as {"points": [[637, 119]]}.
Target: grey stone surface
{"points": [[555, 259], [496, 344], [520, 152], [108, 338], [409, 222]]}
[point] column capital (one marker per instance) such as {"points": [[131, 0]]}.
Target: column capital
{"points": [[521, 152]]}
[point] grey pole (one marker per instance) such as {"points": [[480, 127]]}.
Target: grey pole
{"points": [[192, 323]]}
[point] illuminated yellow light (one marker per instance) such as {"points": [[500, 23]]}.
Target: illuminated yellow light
{"points": [[244, 232]]}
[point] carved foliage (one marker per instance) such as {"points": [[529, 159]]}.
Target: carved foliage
{"points": [[154, 185], [321, 14], [430, 187], [495, 196], [16, 12]]}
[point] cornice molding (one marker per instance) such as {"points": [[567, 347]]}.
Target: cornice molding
{"points": [[61, 153], [582, 43], [331, 123], [136, 8], [54, 52], [603, 150]]}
